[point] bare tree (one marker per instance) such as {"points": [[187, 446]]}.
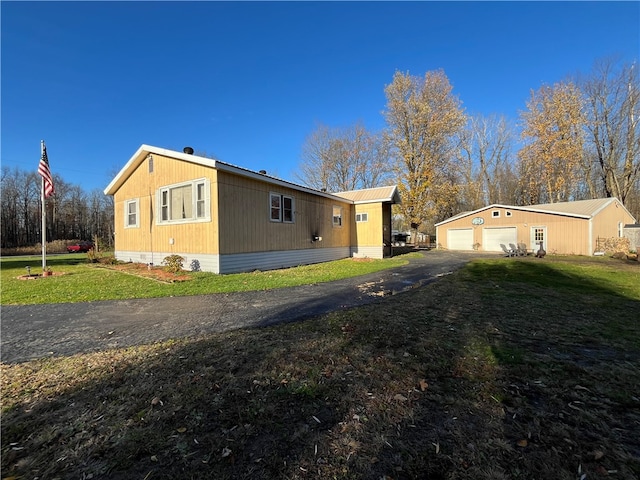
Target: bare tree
{"points": [[339, 159], [71, 213], [611, 164], [423, 118], [9, 212], [484, 161]]}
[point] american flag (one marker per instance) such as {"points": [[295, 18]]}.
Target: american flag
{"points": [[45, 173]]}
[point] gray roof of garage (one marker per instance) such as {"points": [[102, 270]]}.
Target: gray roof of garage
{"points": [[579, 208]]}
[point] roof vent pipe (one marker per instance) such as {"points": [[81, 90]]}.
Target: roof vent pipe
{"points": [[263, 172], [188, 150]]}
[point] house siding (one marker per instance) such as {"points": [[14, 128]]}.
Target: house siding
{"points": [[372, 239], [191, 238], [245, 225], [237, 233], [368, 234]]}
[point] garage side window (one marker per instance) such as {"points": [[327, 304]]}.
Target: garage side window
{"points": [[185, 202], [362, 217], [131, 215]]}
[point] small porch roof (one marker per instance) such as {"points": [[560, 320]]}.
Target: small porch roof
{"points": [[388, 194]]}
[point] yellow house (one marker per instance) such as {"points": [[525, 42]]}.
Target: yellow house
{"points": [[567, 228], [222, 218]]}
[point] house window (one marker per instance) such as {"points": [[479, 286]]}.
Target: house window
{"points": [[185, 202], [362, 217], [131, 217], [495, 213], [281, 208], [200, 201], [337, 216]]}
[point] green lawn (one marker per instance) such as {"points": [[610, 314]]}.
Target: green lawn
{"points": [[520, 369], [79, 281]]}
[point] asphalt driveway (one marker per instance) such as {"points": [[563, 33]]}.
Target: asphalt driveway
{"points": [[35, 331]]}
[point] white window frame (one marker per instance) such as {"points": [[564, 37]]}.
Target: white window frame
{"points": [[362, 217], [495, 214], [127, 214], [538, 234], [282, 216], [164, 204], [337, 219], [507, 213]]}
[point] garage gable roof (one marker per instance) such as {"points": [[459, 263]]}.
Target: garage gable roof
{"points": [[578, 209], [586, 208]]}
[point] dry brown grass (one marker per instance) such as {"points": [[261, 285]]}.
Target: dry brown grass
{"points": [[478, 376]]}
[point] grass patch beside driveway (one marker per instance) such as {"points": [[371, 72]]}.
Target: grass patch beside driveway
{"points": [[507, 369], [79, 281]]}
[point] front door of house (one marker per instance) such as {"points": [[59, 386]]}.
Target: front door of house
{"points": [[538, 236]]}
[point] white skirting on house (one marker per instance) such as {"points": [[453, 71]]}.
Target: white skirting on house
{"points": [[367, 252], [205, 263], [247, 262], [241, 262]]}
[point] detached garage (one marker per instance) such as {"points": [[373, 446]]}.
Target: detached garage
{"points": [[567, 228]]}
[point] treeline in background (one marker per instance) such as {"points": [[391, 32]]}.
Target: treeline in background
{"points": [[72, 213]]}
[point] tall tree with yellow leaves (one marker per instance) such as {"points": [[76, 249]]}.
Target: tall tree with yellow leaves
{"points": [[553, 129], [423, 118]]}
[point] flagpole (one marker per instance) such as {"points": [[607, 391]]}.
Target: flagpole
{"points": [[44, 217]]}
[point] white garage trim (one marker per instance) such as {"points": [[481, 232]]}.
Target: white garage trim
{"points": [[460, 239], [493, 237]]}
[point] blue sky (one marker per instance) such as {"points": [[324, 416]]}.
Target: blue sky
{"points": [[247, 82]]}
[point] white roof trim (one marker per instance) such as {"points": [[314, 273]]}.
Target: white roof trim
{"points": [[512, 207], [144, 150]]}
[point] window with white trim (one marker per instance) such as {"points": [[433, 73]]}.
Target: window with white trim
{"points": [[495, 213], [362, 217], [281, 208], [131, 213], [507, 213], [337, 216], [185, 202]]}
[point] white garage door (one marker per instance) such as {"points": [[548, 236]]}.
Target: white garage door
{"points": [[493, 237], [460, 239]]}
